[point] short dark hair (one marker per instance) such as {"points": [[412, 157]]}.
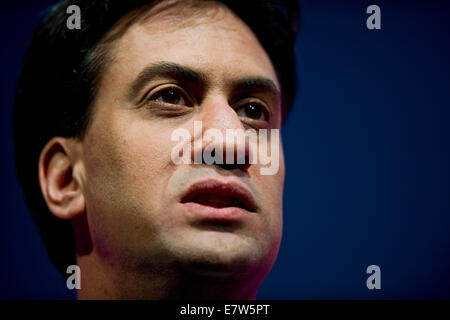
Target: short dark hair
{"points": [[60, 74]]}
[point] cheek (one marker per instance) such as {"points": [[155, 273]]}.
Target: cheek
{"points": [[126, 173], [127, 164], [273, 190], [129, 152]]}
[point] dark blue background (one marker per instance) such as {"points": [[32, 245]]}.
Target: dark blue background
{"points": [[367, 151]]}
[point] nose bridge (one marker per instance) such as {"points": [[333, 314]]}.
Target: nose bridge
{"points": [[218, 114]]}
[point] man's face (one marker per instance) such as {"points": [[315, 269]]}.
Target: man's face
{"points": [[135, 194]]}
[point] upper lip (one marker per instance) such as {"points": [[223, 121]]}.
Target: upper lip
{"points": [[220, 194]]}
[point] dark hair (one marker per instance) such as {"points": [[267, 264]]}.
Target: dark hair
{"points": [[60, 74]]}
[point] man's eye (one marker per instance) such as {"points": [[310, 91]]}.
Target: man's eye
{"points": [[170, 96], [252, 111]]}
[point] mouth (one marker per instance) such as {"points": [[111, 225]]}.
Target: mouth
{"points": [[218, 195]]}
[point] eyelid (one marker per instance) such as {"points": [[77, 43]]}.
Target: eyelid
{"points": [[266, 109], [160, 88]]}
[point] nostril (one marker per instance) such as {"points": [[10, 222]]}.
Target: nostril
{"points": [[242, 163], [234, 166]]}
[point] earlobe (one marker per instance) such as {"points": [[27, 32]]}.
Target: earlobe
{"points": [[60, 188]]}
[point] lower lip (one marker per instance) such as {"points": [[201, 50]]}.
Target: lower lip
{"points": [[218, 214]]}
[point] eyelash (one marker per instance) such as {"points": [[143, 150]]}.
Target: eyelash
{"points": [[188, 102], [182, 94], [262, 108]]}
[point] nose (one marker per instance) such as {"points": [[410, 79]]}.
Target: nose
{"points": [[224, 142]]}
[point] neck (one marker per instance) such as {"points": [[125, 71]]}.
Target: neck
{"points": [[105, 281]]}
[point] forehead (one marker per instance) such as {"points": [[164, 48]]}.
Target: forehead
{"points": [[203, 35]]}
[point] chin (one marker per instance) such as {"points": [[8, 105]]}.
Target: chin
{"points": [[221, 254]]}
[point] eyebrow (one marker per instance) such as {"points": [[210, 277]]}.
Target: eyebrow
{"points": [[262, 84], [185, 74], [165, 70]]}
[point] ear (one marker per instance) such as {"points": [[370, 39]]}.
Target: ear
{"points": [[59, 183]]}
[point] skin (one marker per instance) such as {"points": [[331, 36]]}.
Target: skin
{"points": [[120, 188]]}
